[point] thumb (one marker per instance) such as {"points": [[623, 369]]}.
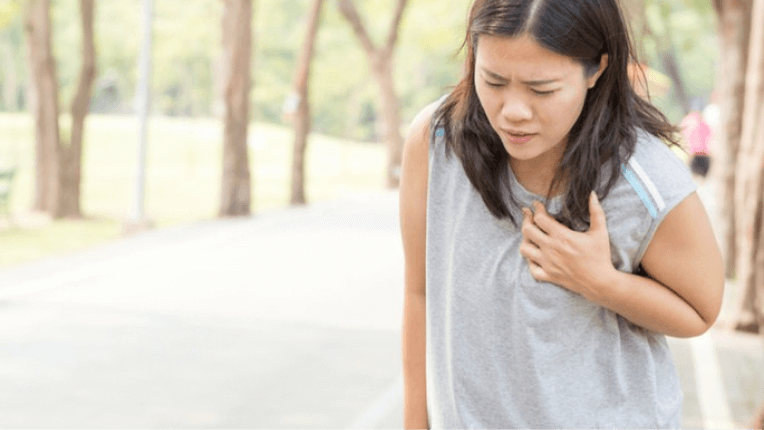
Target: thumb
{"points": [[597, 218]]}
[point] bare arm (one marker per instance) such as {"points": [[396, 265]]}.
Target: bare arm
{"points": [[683, 296], [413, 211], [687, 273]]}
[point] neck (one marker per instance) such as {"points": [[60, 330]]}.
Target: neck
{"points": [[534, 180], [536, 175]]}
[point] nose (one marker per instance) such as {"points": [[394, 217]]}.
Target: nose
{"points": [[515, 109]]}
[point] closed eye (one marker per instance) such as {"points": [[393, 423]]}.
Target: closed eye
{"points": [[494, 84], [544, 93]]}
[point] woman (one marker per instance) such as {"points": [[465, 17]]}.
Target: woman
{"points": [[552, 239]]}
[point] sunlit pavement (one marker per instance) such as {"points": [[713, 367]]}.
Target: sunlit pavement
{"points": [[283, 320]]}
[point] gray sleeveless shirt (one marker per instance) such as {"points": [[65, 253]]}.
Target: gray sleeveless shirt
{"points": [[506, 351]]}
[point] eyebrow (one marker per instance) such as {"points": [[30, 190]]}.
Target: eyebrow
{"points": [[533, 83]]}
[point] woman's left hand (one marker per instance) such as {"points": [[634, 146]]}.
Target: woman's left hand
{"points": [[578, 261]]}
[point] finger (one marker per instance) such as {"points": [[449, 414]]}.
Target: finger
{"points": [[533, 233], [598, 221], [546, 222], [537, 272], [527, 221], [531, 252], [527, 213]]}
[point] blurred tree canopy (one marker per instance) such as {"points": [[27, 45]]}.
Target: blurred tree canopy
{"points": [[187, 56], [691, 24]]}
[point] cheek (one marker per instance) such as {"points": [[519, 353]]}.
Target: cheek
{"points": [[483, 97], [564, 111], [488, 101]]}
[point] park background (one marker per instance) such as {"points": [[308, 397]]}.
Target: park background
{"points": [[184, 161], [351, 47]]}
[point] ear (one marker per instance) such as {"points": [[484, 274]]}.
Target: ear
{"points": [[592, 80]]}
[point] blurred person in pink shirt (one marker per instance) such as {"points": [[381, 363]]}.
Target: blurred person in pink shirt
{"points": [[697, 133]]}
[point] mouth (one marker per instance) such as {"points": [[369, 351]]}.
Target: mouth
{"points": [[519, 137]]}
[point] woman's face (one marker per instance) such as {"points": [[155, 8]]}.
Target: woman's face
{"points": [[531, 95]]}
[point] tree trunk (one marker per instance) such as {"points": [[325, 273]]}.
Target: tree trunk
{"points": [[68, 202], [302, 114], [237, 42], [734, 21], [382, 69], [44, 102], [748, 175], [749, 191], [381, 59]]}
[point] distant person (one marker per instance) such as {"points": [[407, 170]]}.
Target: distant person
{"points": [[697, 133], [552, 240]]}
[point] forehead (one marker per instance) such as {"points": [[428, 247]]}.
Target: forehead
{"points": [[523, 56]]}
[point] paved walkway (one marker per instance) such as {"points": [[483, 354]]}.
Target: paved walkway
{"points": [[284, 320]]}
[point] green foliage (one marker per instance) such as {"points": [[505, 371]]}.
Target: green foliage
{"points": [[67, 45], [691, 25], [9, 10], [116, 53], [186, 57], [278, 35], [187, 45], [431, 35], [13, 67]]}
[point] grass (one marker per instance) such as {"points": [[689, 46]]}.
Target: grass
{"points": [[21, 245], [182, 181]]}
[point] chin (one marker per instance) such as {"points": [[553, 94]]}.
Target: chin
{"points": [[523, 154]]}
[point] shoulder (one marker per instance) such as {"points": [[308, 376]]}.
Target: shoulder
{"points": [[417, 144], [414, 166], [420, 131], [413, 194], [656, 175], [651, 183]]}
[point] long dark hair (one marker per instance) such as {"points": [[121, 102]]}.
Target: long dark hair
{"points": [[607, 128]]}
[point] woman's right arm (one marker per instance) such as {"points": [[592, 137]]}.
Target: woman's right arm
{"points": [[413, 218]]}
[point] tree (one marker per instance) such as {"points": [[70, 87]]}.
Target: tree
{"points": [[738, 98], [660, 33], [749, 187], [381, 59], [741, 141], [734, 27], [44, 102], [58, 164], [673, 37], [302, 111], [71, 155], [237, 53]]}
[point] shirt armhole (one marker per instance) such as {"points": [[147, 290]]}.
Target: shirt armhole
{"points": [[658, 204]]}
